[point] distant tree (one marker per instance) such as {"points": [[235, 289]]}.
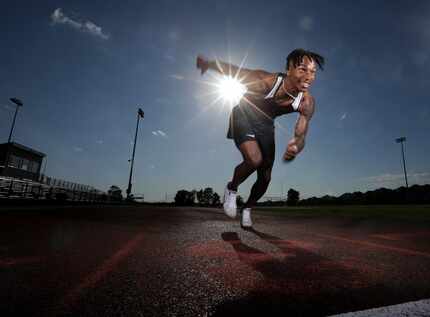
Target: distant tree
{"points": [[208, 196], [199, 196], [193, 195], [205, 196], [115, 193], [216, 200], [185, 197], [416, 194], [292, 197]]}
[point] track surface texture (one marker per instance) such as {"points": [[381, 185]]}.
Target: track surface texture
{"points": [[160, 261]]}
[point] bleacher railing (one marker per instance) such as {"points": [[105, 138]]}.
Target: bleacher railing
{"points": [[49, 188]]}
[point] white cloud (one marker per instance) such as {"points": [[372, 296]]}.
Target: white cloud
{"points": [[159, 133], [99, 141], [343, 117], [162, 133], [95, 29], [58, 17], [306, 23], [176, 76], [77, 149]]}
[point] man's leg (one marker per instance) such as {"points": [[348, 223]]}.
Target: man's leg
{"points": [[252, 159], [257, 191], [260, 186], [264, 172]]}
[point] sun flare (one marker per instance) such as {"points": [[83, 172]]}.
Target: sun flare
{"points": [[231, 90]]}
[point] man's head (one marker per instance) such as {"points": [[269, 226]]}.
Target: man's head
{"points": [[301, 68]]}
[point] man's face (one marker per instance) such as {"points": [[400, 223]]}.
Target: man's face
{"points": [[302, 75]]}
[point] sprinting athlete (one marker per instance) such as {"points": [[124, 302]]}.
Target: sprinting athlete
{"points": [[268, 96]]}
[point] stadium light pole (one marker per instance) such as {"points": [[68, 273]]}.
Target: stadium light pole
{"points": [[140, 114], [18, 104], [401, 140]]}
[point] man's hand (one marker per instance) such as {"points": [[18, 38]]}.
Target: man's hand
{"points": [[297, 143], [202, 64], [291, 151]]}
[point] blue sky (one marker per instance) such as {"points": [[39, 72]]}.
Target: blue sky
{"points": [[83, 68]]}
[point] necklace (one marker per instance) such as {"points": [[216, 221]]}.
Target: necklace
{"points": [[283, 88]]}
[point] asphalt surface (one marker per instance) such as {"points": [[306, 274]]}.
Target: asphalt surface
{"points": [[148, 261]]}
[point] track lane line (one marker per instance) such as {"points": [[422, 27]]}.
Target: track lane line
{"points": [[375, 245], [107, 267]]}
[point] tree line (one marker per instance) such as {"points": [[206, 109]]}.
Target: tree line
{"points": [[203, 197], [208, 198], [416, 194]]}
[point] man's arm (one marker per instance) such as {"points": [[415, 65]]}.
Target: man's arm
{"points": [[256, 78], [296, 145]]}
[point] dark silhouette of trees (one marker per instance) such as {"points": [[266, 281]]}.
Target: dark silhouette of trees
{"points": [[293, 197], [205, 197], [416, 194], [216, 200], [185, 198]]}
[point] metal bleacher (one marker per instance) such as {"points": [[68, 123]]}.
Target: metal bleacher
{"points": [[48, 188]]}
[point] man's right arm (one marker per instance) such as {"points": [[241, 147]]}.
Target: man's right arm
{"points": [[256, 78]]}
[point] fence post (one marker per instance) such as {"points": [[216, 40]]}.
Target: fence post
{"points": [[25, 189], [10, 188]]}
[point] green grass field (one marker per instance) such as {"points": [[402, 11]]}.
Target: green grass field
{"points": [[393, 212]]}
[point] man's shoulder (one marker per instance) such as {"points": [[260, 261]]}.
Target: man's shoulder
{"points": [[307, 106], [309, 98], [270, 79], [260, 80], [266, 76]]}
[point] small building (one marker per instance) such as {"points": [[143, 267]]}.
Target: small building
{"points": [[19, 161]]}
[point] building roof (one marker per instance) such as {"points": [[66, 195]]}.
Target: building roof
{"points": [[25, 148]]}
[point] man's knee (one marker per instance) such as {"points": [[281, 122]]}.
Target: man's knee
{"points": [[254, 161]]}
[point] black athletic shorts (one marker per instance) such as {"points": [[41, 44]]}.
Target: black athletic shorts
{"points": [[245, 126]]}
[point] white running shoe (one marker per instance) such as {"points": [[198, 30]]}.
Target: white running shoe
{"points": [[246, 218], [229, 205]]}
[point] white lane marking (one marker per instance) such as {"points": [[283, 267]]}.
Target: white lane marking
{"points": [[412, 309]]}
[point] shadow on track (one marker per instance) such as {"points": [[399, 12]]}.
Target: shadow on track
{"points": [[300, 282]]}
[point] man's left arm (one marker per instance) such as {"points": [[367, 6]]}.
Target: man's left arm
{"points": [[297, 143]]}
